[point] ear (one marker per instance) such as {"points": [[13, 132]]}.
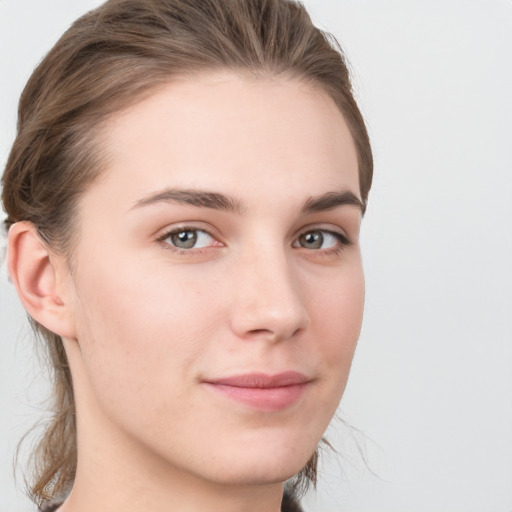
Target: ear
{"points": [[40, 278]]}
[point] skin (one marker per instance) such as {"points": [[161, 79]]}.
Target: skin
{"points": [[145, 323]]}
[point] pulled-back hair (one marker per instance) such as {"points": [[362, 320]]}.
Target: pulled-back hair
{"points": [[107, 60]]}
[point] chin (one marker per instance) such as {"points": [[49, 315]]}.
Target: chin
{"points": [[275, 472], [263, 465]]}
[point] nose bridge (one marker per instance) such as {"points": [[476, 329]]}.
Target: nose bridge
{"points": [[268, 302]]}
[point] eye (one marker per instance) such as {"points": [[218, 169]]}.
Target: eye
{"points": [[320, 240], [187, 238]]}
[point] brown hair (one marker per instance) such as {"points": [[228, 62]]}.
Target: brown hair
{"points": [[107, 60]]}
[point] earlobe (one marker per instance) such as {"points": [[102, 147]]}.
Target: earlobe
{"points": [[38, 280]]}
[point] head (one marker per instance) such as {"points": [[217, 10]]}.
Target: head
{"points": [[134, 96]]}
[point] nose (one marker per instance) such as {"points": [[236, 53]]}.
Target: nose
{"points": [[268, 303]]}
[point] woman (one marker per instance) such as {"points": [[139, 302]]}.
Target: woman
{"points": [[184, 198]]}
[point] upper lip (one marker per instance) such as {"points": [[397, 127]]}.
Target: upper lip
{"points": [[262, 380]]}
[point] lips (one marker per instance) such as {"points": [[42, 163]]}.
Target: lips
{"points": [[262, 391]]}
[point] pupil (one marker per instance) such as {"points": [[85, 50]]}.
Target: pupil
{"points": [[184, 239]]}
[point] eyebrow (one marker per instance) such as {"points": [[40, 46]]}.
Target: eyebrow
{"points": [[218, 201], [200, 198], [332, 200]]}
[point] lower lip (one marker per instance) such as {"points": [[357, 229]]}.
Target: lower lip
{"points": [[265, 399]]}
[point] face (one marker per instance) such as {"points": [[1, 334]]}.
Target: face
{"points": [[218, 281]]}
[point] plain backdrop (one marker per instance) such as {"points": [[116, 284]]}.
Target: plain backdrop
{"points": [[430, 395]]}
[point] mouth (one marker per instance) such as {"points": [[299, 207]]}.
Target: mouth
{"points": [[262, 391]]}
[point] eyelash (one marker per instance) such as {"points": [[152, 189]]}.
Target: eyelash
{"points": [[342, 239]]}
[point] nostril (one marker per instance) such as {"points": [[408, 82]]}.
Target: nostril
{"points": [[271, 334], [262, 332]]}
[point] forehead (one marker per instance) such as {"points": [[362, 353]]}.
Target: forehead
{"points": [[224, 131]]}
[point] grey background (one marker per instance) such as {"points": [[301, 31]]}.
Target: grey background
{"points": [[431, 385]]}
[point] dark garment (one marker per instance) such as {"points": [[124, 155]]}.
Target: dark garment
{"points": [[290, 504], [51, 508]]}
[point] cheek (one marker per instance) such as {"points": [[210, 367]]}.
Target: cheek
{"points": [[337, 304], [141, 330], [336, 317]]}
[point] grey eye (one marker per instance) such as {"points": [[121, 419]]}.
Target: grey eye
{"points": [[189, 239], [311, 240], [184, 239], [318, 239]]}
